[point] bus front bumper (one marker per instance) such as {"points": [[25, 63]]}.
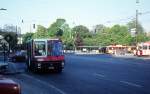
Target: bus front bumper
{"points": [[49, 65]]}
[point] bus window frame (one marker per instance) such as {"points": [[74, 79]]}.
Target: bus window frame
{"points": [[149, 47], [45, 53], [144, 47]]}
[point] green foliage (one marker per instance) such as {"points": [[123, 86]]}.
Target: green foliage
{"points": [[140, 34], [90, 42], [132, 24], [11, 38], [59, 33], [99, 28], [141, 37], [114, 35], [55, 27], [120, 35], [69, 44], [78, 40], [80, 35], [83, 31], [27, 37], [41, 32], [103, 38]]}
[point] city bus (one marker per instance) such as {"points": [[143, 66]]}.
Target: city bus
{"points": [[143, 49], [119, 49], [45, 54], [115, 49]]}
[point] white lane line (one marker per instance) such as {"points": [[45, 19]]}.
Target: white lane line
{"points": [[45, 83], [131, 84], [99, 75]]}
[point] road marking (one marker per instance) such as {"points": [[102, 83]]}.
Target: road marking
{"points": [[99, 75], [131, 84], [124, 82], [45, 83]]}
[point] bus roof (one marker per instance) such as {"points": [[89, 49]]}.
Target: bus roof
{"points": [[147, 43], [144, 43]]}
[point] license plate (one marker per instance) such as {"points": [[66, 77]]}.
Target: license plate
{"points": [[50, 67]]}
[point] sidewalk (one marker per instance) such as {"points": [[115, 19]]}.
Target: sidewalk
{"points": [[12, 68], [128, 55], [3, 66], [124, 55], [86, 53]]}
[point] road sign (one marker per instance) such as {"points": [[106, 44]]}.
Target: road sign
{"points": [[133, 32]]}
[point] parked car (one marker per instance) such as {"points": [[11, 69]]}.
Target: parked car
{"points": [[18, 56], [8, 86]]}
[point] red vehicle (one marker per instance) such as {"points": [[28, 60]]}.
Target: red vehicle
{"points": [[8, 86], [45, 54], [143, 49]]}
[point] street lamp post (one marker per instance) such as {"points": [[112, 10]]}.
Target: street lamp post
{"points": [[75, 38]]}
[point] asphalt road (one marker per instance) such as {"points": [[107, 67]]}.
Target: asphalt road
{"points": [[88, 74]]}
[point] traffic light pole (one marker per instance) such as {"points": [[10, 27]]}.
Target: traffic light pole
{"points": [[136, 21], [136, 26]]}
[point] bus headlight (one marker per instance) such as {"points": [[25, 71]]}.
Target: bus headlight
{"points": [[63, 64], [39, 65]]}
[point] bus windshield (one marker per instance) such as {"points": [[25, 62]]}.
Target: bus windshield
{"points": [[39, 48], [55, 48]]}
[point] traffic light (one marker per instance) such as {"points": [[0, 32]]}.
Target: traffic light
{"points": [[22, 21], [33, 26]]}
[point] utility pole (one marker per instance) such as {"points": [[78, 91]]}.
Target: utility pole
{"points": [[136, 21]]}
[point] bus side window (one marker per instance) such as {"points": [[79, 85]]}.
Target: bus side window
{"points": [[36, 51], [145, 47], [49, 48]]}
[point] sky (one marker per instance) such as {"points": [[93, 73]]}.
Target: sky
{"points": [[76, 12]]}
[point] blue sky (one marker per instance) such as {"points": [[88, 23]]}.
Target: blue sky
{"points": [[85, 12]]}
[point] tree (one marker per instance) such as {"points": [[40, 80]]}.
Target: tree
{"points": [[61, 29], [67, 37], [27, 37], [41, 32], [103, 38], [11, 38], [59, 33], [79, 33], [10, 28], [79, 40], [91, 41], [120, 35], [55, 27], [140, 34], [132, 24], [114, 35], [83, 31], [99, 28]]}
